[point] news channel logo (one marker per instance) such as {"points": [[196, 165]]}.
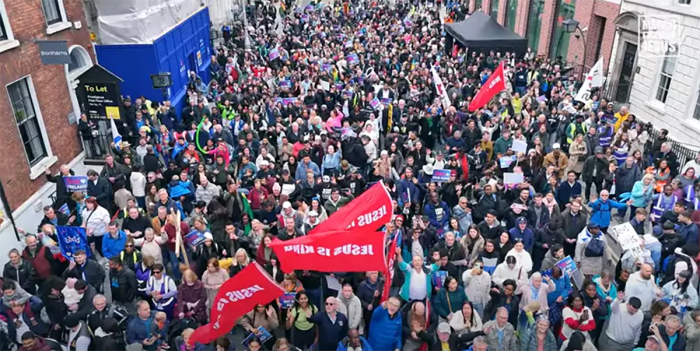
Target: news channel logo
{"points": [[659, 36]]}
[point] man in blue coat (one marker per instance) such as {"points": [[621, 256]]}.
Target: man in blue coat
{"points": [[523, 232], [113, 242], [568, 189], [354, 341], [385, 329], [139, 329]]}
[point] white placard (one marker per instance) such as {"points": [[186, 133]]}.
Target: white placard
{"points": [[513, 178], [626, 236], [288, 189], [325, 85], [519, 146], [333, 283]]}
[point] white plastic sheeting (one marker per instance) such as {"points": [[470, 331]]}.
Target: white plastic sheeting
{"points": [[140, 21], [221, 11]]}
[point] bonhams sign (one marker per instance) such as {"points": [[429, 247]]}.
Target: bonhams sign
{"points": [[53, 52]]}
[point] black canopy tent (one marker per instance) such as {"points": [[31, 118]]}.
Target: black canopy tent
{"points": [[481, 33]]}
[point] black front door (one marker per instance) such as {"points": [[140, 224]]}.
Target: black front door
{"points": [[624, 86]]}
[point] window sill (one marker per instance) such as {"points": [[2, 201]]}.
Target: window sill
{"points": [[656, 105], [57, 27], [692, 124], [6, 45], [38, 169]]}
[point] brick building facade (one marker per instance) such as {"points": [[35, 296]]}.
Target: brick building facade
{"points": [[596, 16], [36, 102]]}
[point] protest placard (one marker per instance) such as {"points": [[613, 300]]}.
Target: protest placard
{"points": [[441, 175], [194, 238], [75, 183], [72, 239], [513, 178], [519, 146]]}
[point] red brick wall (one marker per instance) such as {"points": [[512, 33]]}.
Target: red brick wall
{"points": [[502, 7], [522, 17], [27, 22], [548, 16], [590, 13]]}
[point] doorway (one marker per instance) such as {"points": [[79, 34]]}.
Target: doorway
{"points": [[624, 86]]}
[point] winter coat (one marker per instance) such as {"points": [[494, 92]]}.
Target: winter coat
{"points": [[577, 156], [561, 162], [591, 265], [463, 217], [526, 235], [22, 273], [343, 344], [447, 302], [191, 294], [477, 247], [385, 331], [527, 294], [113, 246], [601, 211], [528, 335], [477, 287], [509, 342], [692, 333], [351, 308], [123, 284], [626, 177], [600, 165]]}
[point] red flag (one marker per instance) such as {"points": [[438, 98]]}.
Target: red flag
{"points": [[494, 85], [372, 208], [389, 272], [236, 297], [357, 250]]}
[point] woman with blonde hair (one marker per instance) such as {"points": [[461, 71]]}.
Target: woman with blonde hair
{"points": [[282, 344], [240, 261], [213, 278], [191, 298], [181, 342]]}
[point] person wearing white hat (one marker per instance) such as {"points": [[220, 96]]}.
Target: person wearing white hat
{"points": [[310, 222]]}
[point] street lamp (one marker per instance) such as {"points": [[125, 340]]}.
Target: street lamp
{"points": [[570, 26]]}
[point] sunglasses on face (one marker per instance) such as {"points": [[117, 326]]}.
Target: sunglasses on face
{"points": [[157, 272]]}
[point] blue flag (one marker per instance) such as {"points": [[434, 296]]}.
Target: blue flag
{"points": [[72, 239]]}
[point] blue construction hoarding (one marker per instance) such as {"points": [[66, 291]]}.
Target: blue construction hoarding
{"points": [[186, 47]]}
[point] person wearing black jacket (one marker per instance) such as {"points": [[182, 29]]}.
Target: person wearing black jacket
{"points": [[135, 224], [122, 281], [53, 300], [545, 238], [99, 188], [490, 228], [55, 218], [113, 171], [87, 270], [501, 298], [313, 284], [85, 304], [20, 271], [103, 311], [62, 194]]}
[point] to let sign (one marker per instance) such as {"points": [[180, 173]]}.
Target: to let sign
{"points": [[101, 100]]}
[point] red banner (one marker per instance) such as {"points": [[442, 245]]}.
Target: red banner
{"points": [[494, 85], [389, 271], [236, 297], [372, 208], [357, 250]]}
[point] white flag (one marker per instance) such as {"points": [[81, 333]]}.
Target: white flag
{"points": [[441, 89], [593, 79], [116, 137]]}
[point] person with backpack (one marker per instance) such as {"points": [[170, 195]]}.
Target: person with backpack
{"points": [[592, 251]]}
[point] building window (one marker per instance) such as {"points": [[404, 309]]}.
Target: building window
{"points": [[684, 2], [534, 24], [53, 11], [696, 112], [511, 14], [666, 76], [5, 32], [494, 9], [560, 39], [24, 108], [478, 5]]}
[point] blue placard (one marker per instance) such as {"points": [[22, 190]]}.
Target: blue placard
{"points": [[441, 175], [439, 278], [375, 103], [386, 101], [506, 161], [567, 266], [348, 94], [287, 101], [263, 336], [352, 59], [326, 67], [285, 84], [76, 183], [72, 239], [273, 54], [287, 300], [194, 238]]}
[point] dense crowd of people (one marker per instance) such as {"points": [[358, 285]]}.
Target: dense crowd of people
{"points": [[328, 100]]}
